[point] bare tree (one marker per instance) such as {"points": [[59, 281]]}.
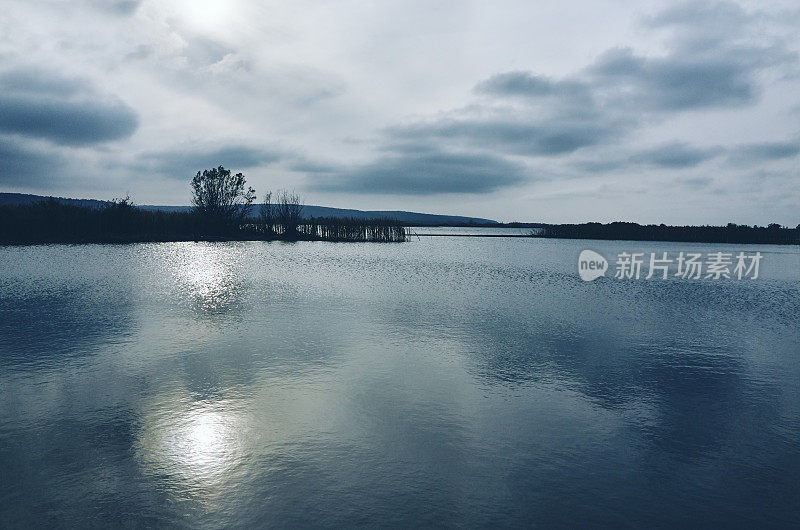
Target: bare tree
{"points": [[221, 198], [288, 212], [268, 214]]}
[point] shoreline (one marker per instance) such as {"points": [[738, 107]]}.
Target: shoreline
{"points": [[527, 236]]}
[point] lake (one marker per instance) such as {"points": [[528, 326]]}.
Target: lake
{"points": [[458, 382]]}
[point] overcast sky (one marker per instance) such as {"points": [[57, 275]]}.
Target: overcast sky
{"points": [[554, 111]]}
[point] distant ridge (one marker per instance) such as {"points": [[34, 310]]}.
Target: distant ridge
{"points": [[308, 210], [14, 199]]}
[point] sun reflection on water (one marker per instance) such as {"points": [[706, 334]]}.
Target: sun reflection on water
{"points": [[199, 444], [207, 273]]}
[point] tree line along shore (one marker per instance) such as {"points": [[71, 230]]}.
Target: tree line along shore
{"points": [[224, 209], [773, 234]]}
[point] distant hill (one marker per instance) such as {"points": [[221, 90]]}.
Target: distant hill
{"points": [[308, 211], [13, 199]]}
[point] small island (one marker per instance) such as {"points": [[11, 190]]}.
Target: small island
{"points": [[223, 209]]}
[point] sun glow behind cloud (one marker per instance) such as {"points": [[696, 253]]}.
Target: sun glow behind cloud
{"points": [[205, 16]]}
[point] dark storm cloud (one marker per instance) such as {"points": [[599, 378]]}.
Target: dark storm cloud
{"points": [[713, 16], [524, 113], [21, 165], [527, 84], [602, 165], [182, 164], [707, 64], [675, 82], [695, 182], [67, 111], [510, 134], [673, 155], [517, 84], [119, 7], [428, 172], [677, 155], [38, 83], [66, 122], [764, 152], [713, 60]]}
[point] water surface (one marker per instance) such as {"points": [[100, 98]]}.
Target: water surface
{"points": [[445, 381]]}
